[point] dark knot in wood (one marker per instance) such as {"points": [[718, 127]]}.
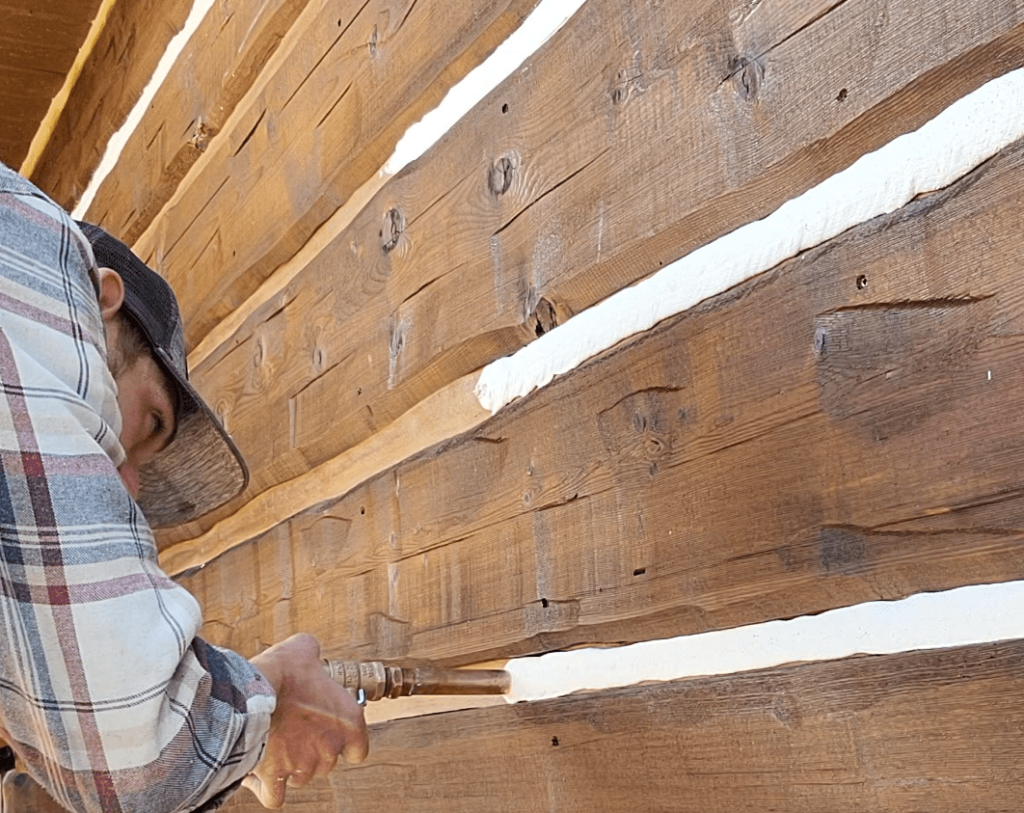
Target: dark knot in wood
{"points": [[201, 137], [749, 75], [391, 233], [543, 319], [499, 179]]}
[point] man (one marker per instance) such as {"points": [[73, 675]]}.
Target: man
{"points": [[106, 694]]}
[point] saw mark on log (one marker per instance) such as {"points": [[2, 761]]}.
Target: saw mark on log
{"points": [[280, 309], [421, 289], [912, 304], [449, 190], [889, 367], [553, 189], [326, 115], [199, 214], [316, 378], [886, 530], [224, 24], [252, 132], [319, 62], [412, 6]]}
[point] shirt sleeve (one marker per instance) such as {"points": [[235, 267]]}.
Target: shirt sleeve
{"points": [[106, 693]]}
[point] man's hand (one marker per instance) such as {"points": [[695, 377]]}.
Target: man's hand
{"points": [[314, 722]]}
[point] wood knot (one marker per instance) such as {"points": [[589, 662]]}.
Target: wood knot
{"points": [[749, 76], [201, 137], [499, 180], [543, 319], [391, 232], [397, 342]]}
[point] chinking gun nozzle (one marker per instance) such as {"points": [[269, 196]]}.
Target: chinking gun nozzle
{"points": [[373, 680]]}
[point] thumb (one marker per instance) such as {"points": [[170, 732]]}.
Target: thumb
{"points": [[269, 794]]}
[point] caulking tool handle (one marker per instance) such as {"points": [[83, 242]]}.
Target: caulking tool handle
{"points": [[377, 681]]}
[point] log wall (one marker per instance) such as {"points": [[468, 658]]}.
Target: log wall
{"points": [[839, 429]]}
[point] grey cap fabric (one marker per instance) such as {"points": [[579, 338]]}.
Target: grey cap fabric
{"points": [[202, 468]]}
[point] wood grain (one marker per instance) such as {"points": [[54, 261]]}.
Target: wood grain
{"points": [[936, 731], [352, 79], [220, 63], [444, 415], [842, 429], [362, 334], [120, 66], [38, 45]]}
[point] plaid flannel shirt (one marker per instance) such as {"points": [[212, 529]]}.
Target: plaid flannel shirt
{"points": [[105, 692]]}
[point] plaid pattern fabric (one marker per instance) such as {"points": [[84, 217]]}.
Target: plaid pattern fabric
{"points": [[105, 691]]}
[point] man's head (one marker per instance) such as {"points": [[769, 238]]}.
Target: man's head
{"points": [[146, 395], [180, 463]]}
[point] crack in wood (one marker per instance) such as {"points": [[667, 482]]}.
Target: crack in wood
{"points": [[187, 230], [409, 11], [912, 304], [739, 64], [326, 115], [252, 132], [553, 189], [327, 51]]}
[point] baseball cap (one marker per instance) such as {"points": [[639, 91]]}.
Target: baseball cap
{"points": [[201, 469]]}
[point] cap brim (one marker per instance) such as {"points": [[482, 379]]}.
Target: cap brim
{"points": [[198, 472]]}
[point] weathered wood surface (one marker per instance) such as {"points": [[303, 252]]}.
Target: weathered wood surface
{"points": [[117, 71], [350, 82], [440, 417], [477, 270], [844, 428], [220, 63], [38, 45], [936, 731]]}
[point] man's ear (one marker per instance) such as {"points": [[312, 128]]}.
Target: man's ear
{"points": [[111, 293]]}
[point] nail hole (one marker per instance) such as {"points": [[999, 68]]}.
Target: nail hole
{"points": [[640, 571], [362, 510], [504, 108], [554, 740], [842, 95], [544, 602], [862, 282]]}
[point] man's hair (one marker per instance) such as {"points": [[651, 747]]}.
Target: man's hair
{"points": [[131, 346]]}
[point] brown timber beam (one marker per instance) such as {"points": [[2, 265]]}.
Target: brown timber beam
{"points": [[936, 731], [842, 429], [367, 330]]}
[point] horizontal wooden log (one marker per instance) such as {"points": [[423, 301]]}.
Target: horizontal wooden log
{"points": [[220, 63], [367, 330], [444, 415], [351, 80], [842, 429], [936, 731], [38, 46], [120, 66]]}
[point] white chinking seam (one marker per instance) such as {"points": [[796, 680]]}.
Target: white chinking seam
{"points": [[968, 615], [545, 21], [948, 147], [958, 140], [118, 141]]}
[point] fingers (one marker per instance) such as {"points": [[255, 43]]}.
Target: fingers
{"points": [[356, 749], [269, 793]]}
